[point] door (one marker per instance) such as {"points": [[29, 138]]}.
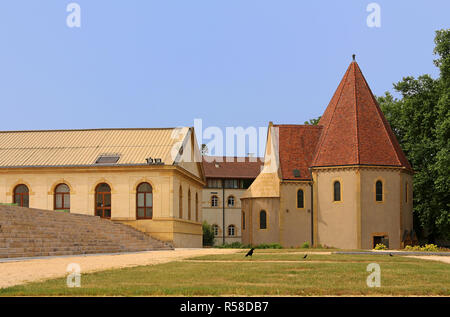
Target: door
{"points": [[103, 201]]}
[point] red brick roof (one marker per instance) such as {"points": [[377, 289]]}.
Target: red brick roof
{"points": [[232, 167], [355, 131], [297, 144]]}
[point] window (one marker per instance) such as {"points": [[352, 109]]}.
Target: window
{"points": [[300, 202], [216, 230], [214, 201], [107, 159], [214, 183], [232, 183], [180, 202], [379, 191], [189, 204], [231, 201], [243, 220], [245, 183], [62, 197], [22, 196], [196, 206], [144, 201], [231, 230], [406, 192], [262, 219], [337, 191], [103, 201]]}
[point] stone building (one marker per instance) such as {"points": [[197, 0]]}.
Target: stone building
{"points": [[151, 179], [343, 183], [227, 178]]}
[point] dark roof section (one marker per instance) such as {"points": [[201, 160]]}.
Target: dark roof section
{"points": [[355, 131], [232, 167], [297, 148]]}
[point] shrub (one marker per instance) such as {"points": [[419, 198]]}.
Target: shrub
{"points": [[208, 234], [380, 246], [269, 246], [430, 247], [305, 245]]}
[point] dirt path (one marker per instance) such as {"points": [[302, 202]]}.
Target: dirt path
{"points": [[445, 259], [20, 272]]}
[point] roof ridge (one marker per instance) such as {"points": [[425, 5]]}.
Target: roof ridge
{"points": [[356, 114], [93, 129]]}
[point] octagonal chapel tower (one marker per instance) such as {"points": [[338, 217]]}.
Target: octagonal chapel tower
{"points": [[361, 177]]}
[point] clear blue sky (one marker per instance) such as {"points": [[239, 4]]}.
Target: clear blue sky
{"points": [[142, 63]]}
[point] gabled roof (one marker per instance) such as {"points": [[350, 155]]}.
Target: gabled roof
{"points": [[297, 145], [232, 167], [83, 147], [355, 131]]}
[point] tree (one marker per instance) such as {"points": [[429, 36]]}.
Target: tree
{"points": [[208, 234], [421, 122], [313, 121]]}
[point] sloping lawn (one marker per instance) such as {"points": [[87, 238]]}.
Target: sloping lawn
{"points": [[278, 273]]}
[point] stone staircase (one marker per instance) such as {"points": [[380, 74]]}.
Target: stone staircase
{"points": [[26, 232]]}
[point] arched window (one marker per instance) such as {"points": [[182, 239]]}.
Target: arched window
{"points": [[231, 230], [144, 201], [216, 230], [337, 191], [196, 206], [103, 200], [262, 219], [300, 200], [230, 201], [379, 191], [62, 197], [243, 220], [22, 196], [214, 201], [180, 202], [406, 192], [189, 204]]}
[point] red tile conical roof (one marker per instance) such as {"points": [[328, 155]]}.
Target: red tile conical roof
{"points": [[355, 131]]}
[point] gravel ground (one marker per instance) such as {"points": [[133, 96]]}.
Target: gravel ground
{"points": [[31, 270]]}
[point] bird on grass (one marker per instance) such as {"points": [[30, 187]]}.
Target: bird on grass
{"points": [[250, 253], [390, 254], [305, 256]]}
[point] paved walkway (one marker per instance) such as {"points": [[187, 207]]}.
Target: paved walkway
{"points": [[38, 269]]}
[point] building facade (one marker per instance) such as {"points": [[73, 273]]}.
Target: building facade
{"points": [[227, 178], [151, 179], [343, 183]]}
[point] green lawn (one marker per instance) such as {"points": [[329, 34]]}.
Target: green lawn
{"points": [[317, 275]]}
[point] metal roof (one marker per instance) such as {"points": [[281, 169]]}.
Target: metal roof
{"points": [[83, 147]]}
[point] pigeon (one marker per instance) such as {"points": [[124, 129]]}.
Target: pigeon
{"points": [[250, 253], [305, 256]]}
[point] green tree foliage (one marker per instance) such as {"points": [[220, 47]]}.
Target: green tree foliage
{"points": [[313, 121], [421, 122], [208, 234]]}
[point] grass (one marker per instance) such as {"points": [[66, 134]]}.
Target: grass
{"points": [[319, 274]]}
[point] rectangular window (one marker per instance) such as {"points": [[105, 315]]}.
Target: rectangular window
{"points": [[214, 183], [232, 183]]}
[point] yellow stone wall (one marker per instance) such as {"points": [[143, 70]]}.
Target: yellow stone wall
{"points": [[336, 222], [165, 181], [295, 222]]}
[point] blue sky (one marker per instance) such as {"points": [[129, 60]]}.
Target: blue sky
{"points": [[162, 63]]}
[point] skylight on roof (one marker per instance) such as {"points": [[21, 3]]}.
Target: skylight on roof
{"points": [[107, 159]]}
